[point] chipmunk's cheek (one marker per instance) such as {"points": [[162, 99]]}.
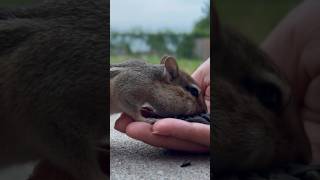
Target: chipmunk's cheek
{"points": [[191, 107], [195, 107]]}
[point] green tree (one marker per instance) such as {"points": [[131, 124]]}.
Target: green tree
{"points": [[185, 48], [202, 27], [157, 43]]}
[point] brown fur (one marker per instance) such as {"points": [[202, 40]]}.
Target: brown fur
{"points": [[163, 86]]}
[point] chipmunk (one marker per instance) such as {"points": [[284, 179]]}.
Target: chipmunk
{"points": [[53, 85], [149, 92], [256, 123]]}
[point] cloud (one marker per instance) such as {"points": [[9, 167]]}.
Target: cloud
{"points": [[155, 15]]}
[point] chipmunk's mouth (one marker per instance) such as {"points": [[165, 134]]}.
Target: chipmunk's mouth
{"points": [[149, 112]]}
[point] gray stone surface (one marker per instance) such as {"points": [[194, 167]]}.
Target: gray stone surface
{"points": [[131, 159]]}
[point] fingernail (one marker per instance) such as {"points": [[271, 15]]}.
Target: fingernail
{"points": [[159, 133], [155, 132]]}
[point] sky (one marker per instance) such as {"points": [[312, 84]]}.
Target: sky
{"points": [[155, 15]]}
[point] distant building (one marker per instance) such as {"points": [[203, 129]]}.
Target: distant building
{"points": [[202, 48]]}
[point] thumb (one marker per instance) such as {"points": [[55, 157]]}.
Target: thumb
{"points": [[202, 74]]}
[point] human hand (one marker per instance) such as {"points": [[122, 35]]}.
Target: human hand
{"points": [[202, 76], [294, 47], [172, 133]]}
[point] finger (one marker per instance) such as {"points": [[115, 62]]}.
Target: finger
{"points": [[143, 132], [122, 123], [198, 77], [192, 132], [202, 74], [207, 98]]}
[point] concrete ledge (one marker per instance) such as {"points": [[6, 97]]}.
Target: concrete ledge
{"points": [[131, 159]]}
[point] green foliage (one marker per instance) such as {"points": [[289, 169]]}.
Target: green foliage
{"points": [[157, 43], [202, 27], [185, 48], [164, 42]]}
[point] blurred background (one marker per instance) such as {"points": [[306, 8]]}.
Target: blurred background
{"points": [[144, 29], [149, 29], [254, 18]]}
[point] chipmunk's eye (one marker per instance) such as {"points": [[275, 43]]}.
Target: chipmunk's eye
{"points": [[193, 91]]}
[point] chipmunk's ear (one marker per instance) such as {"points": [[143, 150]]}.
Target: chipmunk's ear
{"points": [[171, 70], [163, 59]]}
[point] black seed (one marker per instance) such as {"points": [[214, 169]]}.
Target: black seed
{"points": [[185, 164]]}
